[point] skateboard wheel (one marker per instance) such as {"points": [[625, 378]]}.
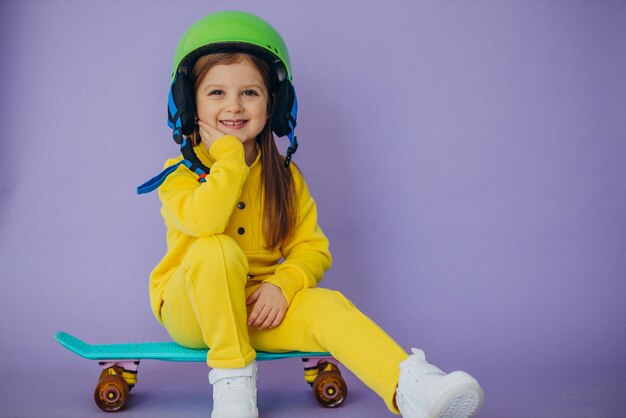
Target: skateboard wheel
{"points": [[329, 388], [111, 393]]}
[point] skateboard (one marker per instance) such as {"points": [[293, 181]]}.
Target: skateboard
{"points": [[120, 363]]}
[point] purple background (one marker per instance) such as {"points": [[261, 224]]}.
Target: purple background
{"points": [[468, 160]]}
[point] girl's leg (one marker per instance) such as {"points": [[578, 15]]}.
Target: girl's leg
{"points": [[324, 320], [204, 303]]}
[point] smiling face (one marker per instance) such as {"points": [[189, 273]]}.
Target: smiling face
{"points": [[234, 99]]}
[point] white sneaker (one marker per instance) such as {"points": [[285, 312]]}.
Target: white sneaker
{"points": [[234, 392], [424, 391]]}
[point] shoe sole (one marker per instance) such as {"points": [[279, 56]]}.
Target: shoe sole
{"points": [[230, 415], [462, 397]]}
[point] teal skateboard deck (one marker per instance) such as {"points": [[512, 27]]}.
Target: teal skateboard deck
{"points": [[121, 361], [166, 351]]}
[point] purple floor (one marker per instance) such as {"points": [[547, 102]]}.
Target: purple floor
{"points": [[63, 387]]}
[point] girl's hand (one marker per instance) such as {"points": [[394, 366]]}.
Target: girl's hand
{"points": [[269, 307], [209, 134]]}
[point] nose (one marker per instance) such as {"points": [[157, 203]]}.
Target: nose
{"points": [[234, 104]]}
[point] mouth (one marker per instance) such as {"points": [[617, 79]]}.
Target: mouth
{"points": [[233, 123]]}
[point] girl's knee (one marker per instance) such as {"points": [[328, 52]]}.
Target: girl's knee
{"points": [[325, 304], [336, 299], [216, 250]]}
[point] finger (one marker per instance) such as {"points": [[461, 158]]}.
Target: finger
{"points": [[253, 297], [269, 320], [211, 130], [206, 134], [252, 318], [279, 318], [256, 311], [261, 316], [206, 126]]}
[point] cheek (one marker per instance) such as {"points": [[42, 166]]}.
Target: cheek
{"points": [[204, 108], [261, 113]]}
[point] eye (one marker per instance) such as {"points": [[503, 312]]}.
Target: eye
{"points": [[250, 92], [216, 92]]}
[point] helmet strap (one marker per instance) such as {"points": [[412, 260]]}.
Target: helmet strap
{"points": [[196, 165]]}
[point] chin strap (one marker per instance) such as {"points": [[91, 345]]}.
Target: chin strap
{"points": [[293, 140], [291, 149]]}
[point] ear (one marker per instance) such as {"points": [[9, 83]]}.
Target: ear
{"points": [[184, 100], [283, 106]]}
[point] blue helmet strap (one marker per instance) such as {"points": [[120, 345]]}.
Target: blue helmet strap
{"points": [[293, 143], [191, 161], [195, 164], [156, 181], [293, 140]]}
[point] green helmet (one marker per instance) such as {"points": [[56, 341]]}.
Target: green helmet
{"points": [[231, 30], [227, 31]]}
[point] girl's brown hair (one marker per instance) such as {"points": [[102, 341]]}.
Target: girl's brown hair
{"points": [[279, 203]]}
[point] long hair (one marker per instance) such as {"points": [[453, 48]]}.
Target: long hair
{"points": [[279, 201]]}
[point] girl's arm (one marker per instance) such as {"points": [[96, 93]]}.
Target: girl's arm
{"points": [[203, 209], [306, 251]]}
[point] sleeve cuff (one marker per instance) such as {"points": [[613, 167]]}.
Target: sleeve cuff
{"points": [[228, 147], [289, 284]]}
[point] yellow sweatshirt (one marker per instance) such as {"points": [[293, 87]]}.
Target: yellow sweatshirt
{"points": [[230, 202]]}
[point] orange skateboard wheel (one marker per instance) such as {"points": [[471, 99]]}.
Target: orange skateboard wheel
{"points": [[111, 393], [329, 388]]}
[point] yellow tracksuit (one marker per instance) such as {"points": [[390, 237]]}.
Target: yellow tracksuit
{"points": [[217, 256]]}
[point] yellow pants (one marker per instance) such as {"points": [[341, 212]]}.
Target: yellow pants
{"points": [[204, 305]]}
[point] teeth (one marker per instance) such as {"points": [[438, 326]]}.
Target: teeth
{"points": [[233, 123]]}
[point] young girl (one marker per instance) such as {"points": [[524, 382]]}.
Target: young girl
{"points": [[244, 249]]}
